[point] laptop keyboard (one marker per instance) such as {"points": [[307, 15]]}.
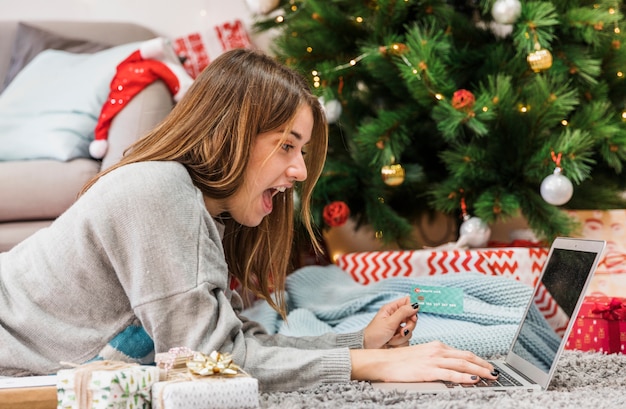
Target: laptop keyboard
{"points": [[503, 380]]}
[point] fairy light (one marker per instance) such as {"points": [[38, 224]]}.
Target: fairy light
{"points": [[280, 19], [316, 78], [359, 19], [309, 49], [620, 74], [624, 115], [485, 109], [439, 96], [564, 122], [294, 8], [523, 109]]}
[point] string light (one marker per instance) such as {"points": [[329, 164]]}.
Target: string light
{"points": [[564, 122]]}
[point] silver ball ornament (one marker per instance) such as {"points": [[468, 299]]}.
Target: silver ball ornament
{"points": [[474, 232], [556, 189], [506, 11], [332, 109]]}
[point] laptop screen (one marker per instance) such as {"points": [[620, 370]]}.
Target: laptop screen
{"points": [[554, 301]]}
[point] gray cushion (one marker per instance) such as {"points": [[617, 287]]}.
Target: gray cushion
{"points": [[30, 41]]}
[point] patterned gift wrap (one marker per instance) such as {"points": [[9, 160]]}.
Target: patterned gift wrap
{"points": [[610, 225], [210, 393], [520, 263], [600, 326], [106, 384]]}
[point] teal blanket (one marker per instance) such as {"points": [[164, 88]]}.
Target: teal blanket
{"points": [[325, 298]]}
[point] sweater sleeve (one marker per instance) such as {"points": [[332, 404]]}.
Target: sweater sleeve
{"points": [[167, 253]]}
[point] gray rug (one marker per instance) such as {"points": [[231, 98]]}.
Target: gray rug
{"points": [[582, 380]]}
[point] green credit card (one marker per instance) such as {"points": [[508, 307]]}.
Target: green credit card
{"points": [[439, 300]]}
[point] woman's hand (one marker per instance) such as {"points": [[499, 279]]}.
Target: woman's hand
{"points": [[433, 361], [392, 325]]}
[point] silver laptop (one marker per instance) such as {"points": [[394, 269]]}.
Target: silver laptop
{"points": [[545, 325]]}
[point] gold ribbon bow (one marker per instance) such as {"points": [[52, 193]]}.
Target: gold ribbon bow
{"points": [[213, 364]]}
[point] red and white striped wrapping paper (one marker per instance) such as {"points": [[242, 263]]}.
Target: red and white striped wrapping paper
{"points": [[521, 263]]}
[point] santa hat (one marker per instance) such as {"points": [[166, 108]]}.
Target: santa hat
{"points": [[154, 60]]}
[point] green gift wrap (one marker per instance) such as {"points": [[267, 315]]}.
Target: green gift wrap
{"points": [[106, 384]]}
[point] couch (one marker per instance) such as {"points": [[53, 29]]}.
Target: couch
{"points": [[34, 191]]}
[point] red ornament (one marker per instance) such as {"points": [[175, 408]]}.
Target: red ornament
{"points": [[463, 100], [336, 213]]}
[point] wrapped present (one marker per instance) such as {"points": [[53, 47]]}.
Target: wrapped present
{"points": [[172, 361], [610, 225], [106, 384], [521, 263], [209, 381], [200, 48], [600, 326]]}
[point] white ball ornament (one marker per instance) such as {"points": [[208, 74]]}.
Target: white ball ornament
{"points": [[474, 232], [262, 6], [506, 11], [556, 189], [332, 109]]}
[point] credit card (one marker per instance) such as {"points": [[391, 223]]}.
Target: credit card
{"points": [[439, 300]]}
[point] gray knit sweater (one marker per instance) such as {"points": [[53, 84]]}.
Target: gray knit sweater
{"points": [[140, 245]]}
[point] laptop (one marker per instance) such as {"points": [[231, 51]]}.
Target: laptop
{"points": [[542, 334]]}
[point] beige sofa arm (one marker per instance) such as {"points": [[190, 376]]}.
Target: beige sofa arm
{"points": [[142, 113]]}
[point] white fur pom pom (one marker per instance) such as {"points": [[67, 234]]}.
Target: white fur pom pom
{"points": [[98, 148]]}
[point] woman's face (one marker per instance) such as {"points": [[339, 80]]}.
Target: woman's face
{"points": [[273, 168]]}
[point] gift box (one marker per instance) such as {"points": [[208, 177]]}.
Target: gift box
{"points": [[200, 48], [600, 326], [106, 384], [610, 225], [213, 393], [521, 263], [198, 381]]}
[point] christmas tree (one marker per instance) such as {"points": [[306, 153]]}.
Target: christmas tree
{"points": [[482, 109]]}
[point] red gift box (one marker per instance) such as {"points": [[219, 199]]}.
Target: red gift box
{"points": [[600, 326], [520, 263]]}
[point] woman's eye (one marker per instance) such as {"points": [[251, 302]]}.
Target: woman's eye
{"points": [[287, 147]]}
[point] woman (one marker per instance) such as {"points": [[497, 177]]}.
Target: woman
{"points": [[145, 258]]}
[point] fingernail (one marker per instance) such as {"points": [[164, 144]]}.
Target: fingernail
{"points": [[495, 372], [406, 332], [415, 306], [402, 324], [474, 377]]}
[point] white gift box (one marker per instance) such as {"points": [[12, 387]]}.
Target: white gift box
{"points": [[127, 388], [207, 393]]}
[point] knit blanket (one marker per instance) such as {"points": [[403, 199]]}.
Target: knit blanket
{"points": [[325, 298]]}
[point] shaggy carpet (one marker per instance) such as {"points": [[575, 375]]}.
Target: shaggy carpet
{"points": [[582, 380]]}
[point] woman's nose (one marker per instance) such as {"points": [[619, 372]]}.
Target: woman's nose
{"points": [[297, 170]]}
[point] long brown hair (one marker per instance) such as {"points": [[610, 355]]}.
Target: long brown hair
{"points": [[211, 130]]}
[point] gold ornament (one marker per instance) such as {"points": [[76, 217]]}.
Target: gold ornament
{"points": [[393, 175], [539, 60]]}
